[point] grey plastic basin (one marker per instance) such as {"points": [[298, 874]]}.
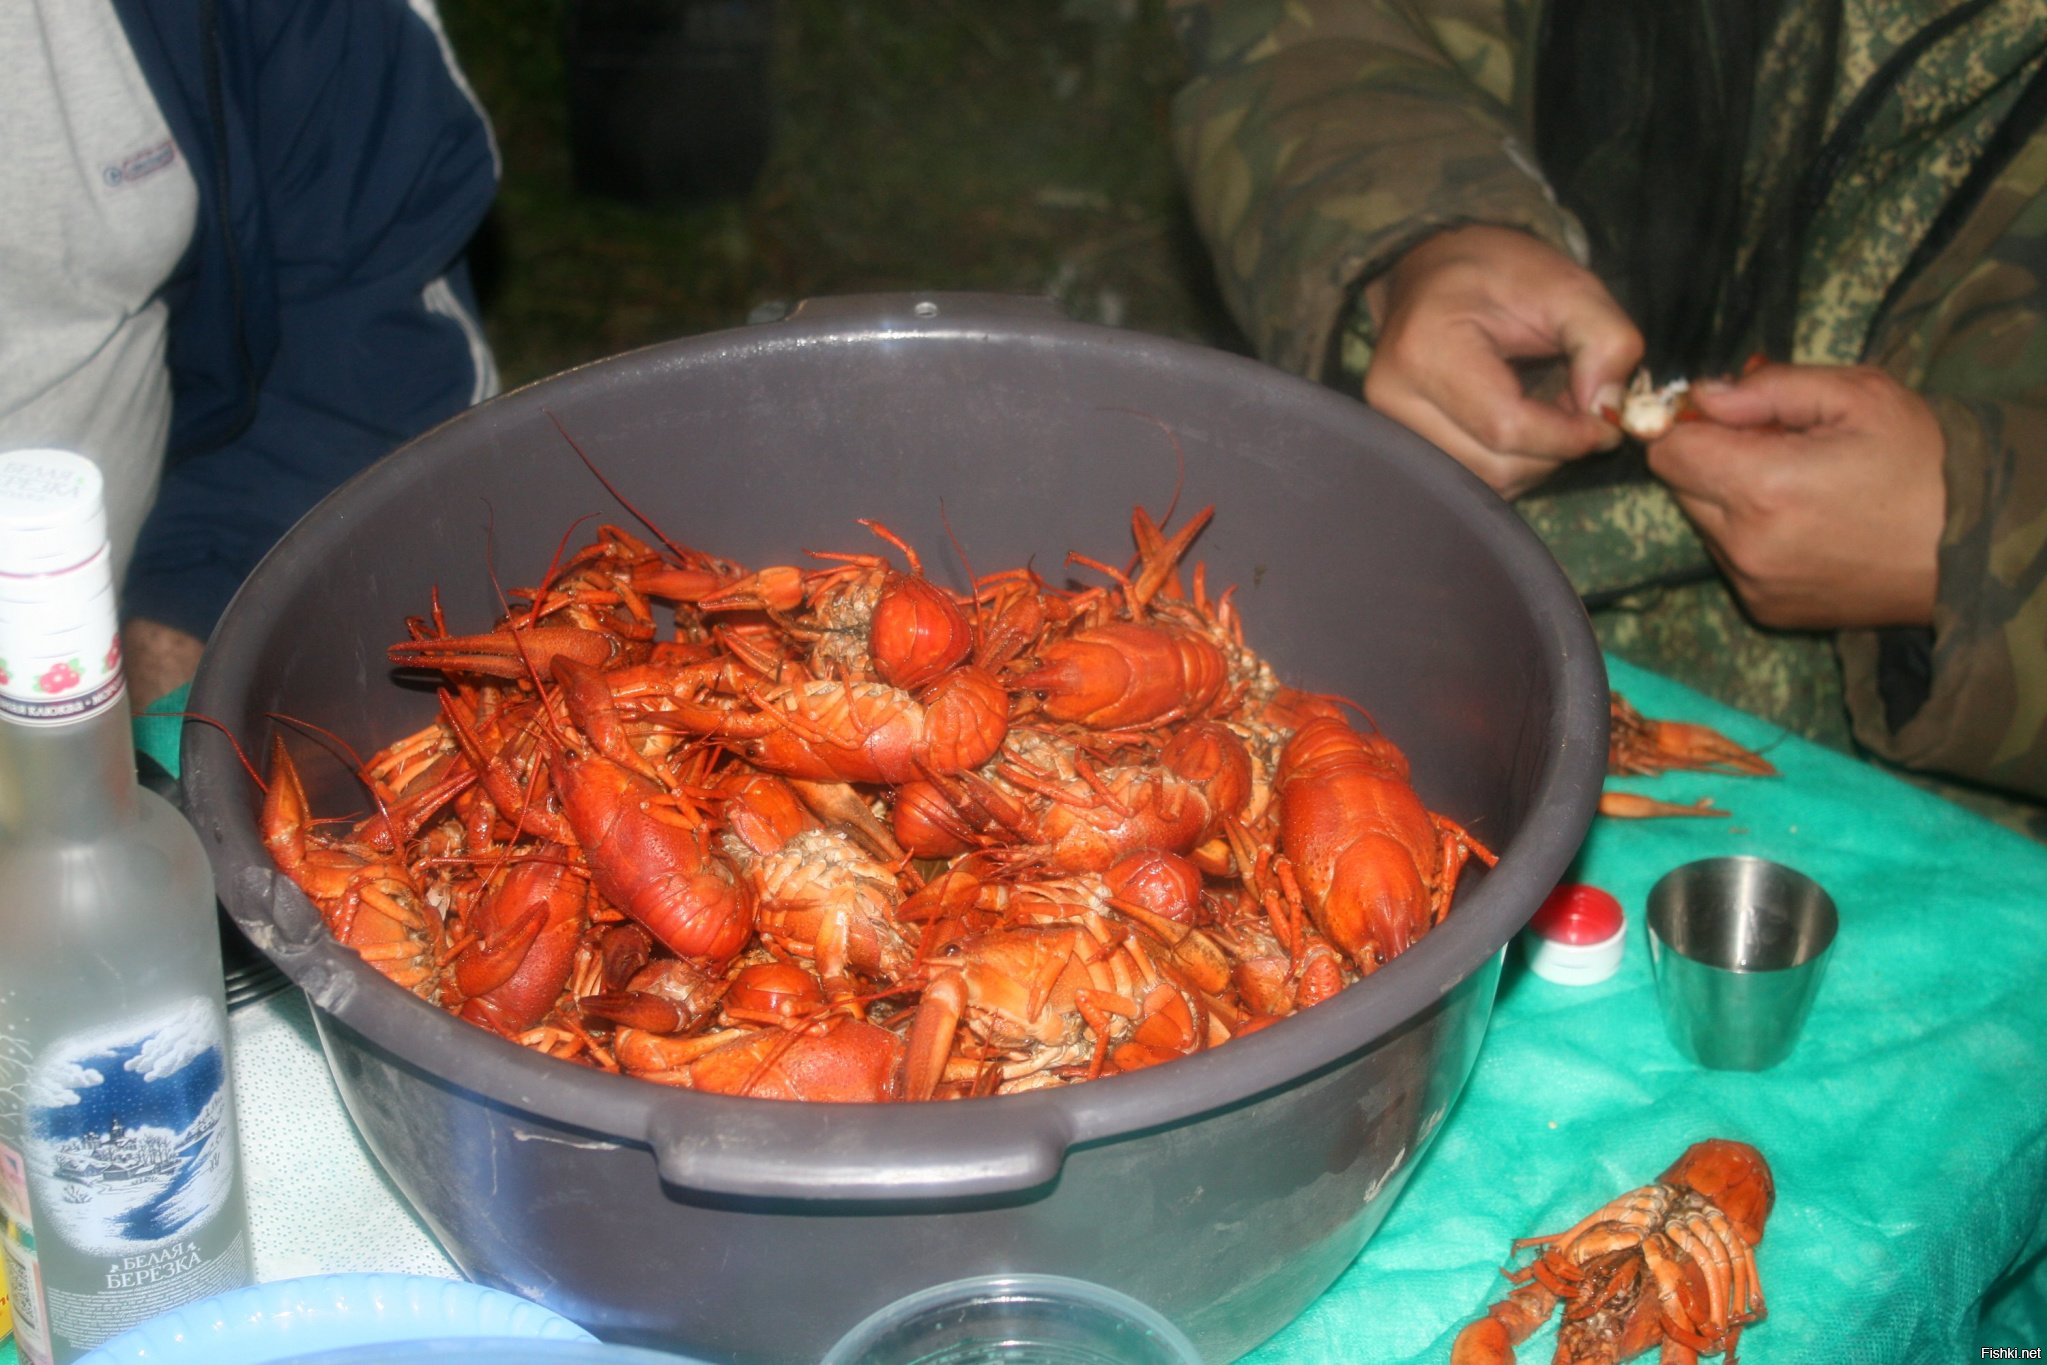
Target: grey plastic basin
{"points": [[1227, 1190]]}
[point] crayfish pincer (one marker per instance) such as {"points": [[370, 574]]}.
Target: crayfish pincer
{"points": [[1670, 1264]]}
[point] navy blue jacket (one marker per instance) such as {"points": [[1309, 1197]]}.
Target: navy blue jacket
{"points": [[322, 313]]}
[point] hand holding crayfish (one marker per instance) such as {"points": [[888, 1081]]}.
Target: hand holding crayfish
{"points": [[1670, 1264]]}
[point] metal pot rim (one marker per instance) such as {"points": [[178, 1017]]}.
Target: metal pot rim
{"points": [[1026, 1135]]}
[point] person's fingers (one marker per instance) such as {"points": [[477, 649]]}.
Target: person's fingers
{"points": [[1604, 349], [1397, 397], [1527, 428], [1705, 463], [1827, 512], [1797, 397], [1473, 407], [1506, 474], [1481, 393], [1458, 312]]}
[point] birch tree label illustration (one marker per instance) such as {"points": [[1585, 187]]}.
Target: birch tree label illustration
{"points": [[129, 1136]]}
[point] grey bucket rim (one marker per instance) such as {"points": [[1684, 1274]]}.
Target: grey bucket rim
{"points": [[973, 1148]]}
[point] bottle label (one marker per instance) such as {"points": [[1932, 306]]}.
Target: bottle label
{"points": [[128, 1155], [129, 1133], [18, 1263], [128, 1145]]}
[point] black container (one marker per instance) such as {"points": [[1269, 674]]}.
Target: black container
{"points": [[668, 99], [1227, 1190]]}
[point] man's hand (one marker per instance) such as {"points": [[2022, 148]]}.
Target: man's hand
{"points": [[1456, 310], [1819, 490]]}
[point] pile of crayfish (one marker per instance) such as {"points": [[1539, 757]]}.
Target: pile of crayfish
{"points": [[841, 834]]}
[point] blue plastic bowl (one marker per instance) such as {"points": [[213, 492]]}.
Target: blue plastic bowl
{"points": [[265, 1324]]}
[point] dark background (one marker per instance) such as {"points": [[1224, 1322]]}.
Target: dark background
{"points": [[766, 151]]}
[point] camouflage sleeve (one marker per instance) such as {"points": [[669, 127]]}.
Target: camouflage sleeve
{"points": [[1978, 352], [1321, 138], [1985, 717]]}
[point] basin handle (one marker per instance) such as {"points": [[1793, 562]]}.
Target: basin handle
{"points": [[782, 1149]]}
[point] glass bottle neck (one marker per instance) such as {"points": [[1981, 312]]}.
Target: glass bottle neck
{"points": [[71, 781]]}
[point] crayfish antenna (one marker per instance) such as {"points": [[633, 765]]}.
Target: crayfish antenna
{"points": [[689, 557]]}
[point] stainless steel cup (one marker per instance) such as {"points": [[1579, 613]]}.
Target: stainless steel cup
{"points": [[1738, 946]]}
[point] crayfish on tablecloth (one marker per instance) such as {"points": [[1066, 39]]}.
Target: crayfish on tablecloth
{"points": [[1640, 747], [1670, 1264], [846, 835]]}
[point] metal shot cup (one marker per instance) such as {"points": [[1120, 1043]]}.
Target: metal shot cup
{"points": [[1738, 946]]}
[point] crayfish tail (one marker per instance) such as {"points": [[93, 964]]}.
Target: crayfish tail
{"points": [[1484, 1342]]}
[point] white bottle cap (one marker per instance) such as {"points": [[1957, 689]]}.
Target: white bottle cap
{"points": [[60, 652], [52, 511], [1576, 937]]}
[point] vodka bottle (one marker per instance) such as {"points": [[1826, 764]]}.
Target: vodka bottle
{"points": [[120, 1184]]}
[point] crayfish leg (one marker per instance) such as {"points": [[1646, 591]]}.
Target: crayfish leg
{"points": [[939, 1011]]}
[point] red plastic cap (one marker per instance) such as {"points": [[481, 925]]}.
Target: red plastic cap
{"points": [[1578, 914]]}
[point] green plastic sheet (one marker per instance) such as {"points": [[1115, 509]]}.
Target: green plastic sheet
{"points": [[1907, 1131], [159, 728]]}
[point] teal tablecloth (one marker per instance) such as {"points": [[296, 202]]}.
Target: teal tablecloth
{"points": [[1908, 1132]]}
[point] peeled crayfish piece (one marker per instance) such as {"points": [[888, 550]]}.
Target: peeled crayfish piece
{"points": [[1648, 410], [1671, 1263]]}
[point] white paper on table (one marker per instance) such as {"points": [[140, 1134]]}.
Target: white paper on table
{"points": [[318, 1202]]}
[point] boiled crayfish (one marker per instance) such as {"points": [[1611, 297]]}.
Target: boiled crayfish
{"points": [[844, 835], [1638, 746], [1670, 1264]]}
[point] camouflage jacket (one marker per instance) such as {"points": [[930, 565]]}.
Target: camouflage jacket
{"points": [[1321, 138]]}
